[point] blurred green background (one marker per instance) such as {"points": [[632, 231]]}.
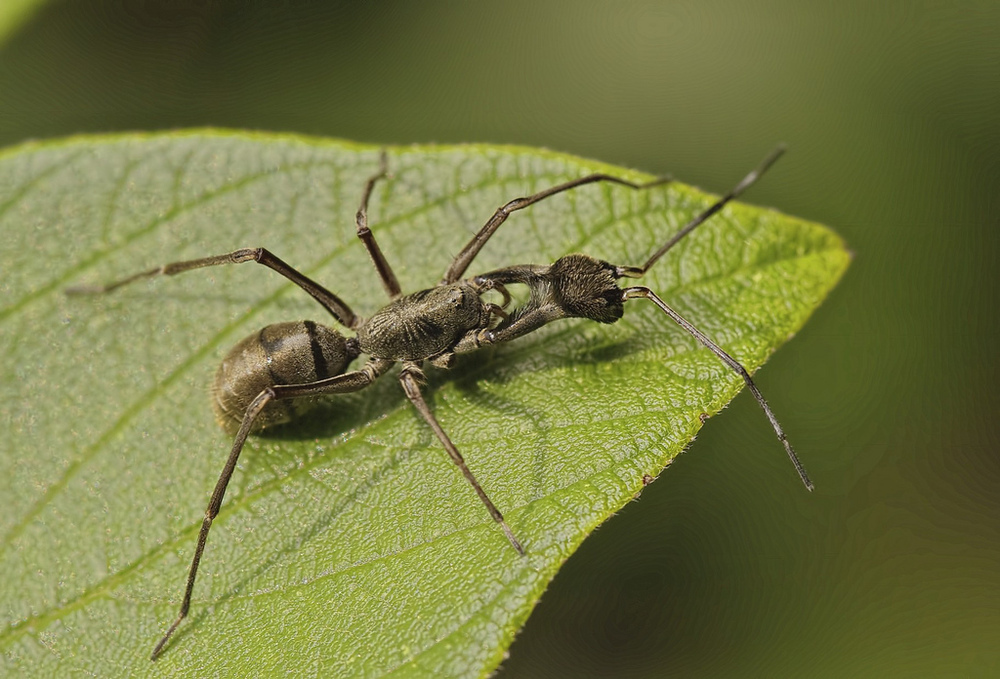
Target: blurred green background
{"points": [[725, 566]]}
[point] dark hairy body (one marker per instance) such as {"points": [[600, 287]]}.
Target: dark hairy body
{"points": [[270, 376]]}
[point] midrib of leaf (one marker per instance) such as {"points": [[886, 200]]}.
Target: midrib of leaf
{"points": [[41, 621]]}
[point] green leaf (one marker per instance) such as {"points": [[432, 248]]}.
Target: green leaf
{"points": [[14, 13], [348, 544]]}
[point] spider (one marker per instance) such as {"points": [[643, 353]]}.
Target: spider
{"points": [[259, 379]]}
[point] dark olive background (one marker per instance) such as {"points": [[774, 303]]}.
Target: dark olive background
{"points": [[725, 566]]}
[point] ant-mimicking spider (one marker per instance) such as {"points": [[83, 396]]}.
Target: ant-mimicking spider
{"points": [[305, 359]]}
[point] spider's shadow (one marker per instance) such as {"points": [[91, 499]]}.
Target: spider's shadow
{"points": [[334, 416], [505, 364], [330, 419]]}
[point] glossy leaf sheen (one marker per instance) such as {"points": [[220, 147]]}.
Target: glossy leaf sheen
{"points": [[348, 543]]}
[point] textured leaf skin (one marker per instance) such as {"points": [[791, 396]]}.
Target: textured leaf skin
{"points": [[348, 544]]}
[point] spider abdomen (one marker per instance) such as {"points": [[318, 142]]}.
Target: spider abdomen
{"points": [[283, 353]]}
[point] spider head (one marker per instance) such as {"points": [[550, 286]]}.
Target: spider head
{"points": [[585, 287]]}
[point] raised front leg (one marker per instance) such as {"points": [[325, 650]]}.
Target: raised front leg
{"points": [[385, 271], [464, 258]]}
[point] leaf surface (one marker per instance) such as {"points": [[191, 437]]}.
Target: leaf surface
{"points": [[348, 543]]}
